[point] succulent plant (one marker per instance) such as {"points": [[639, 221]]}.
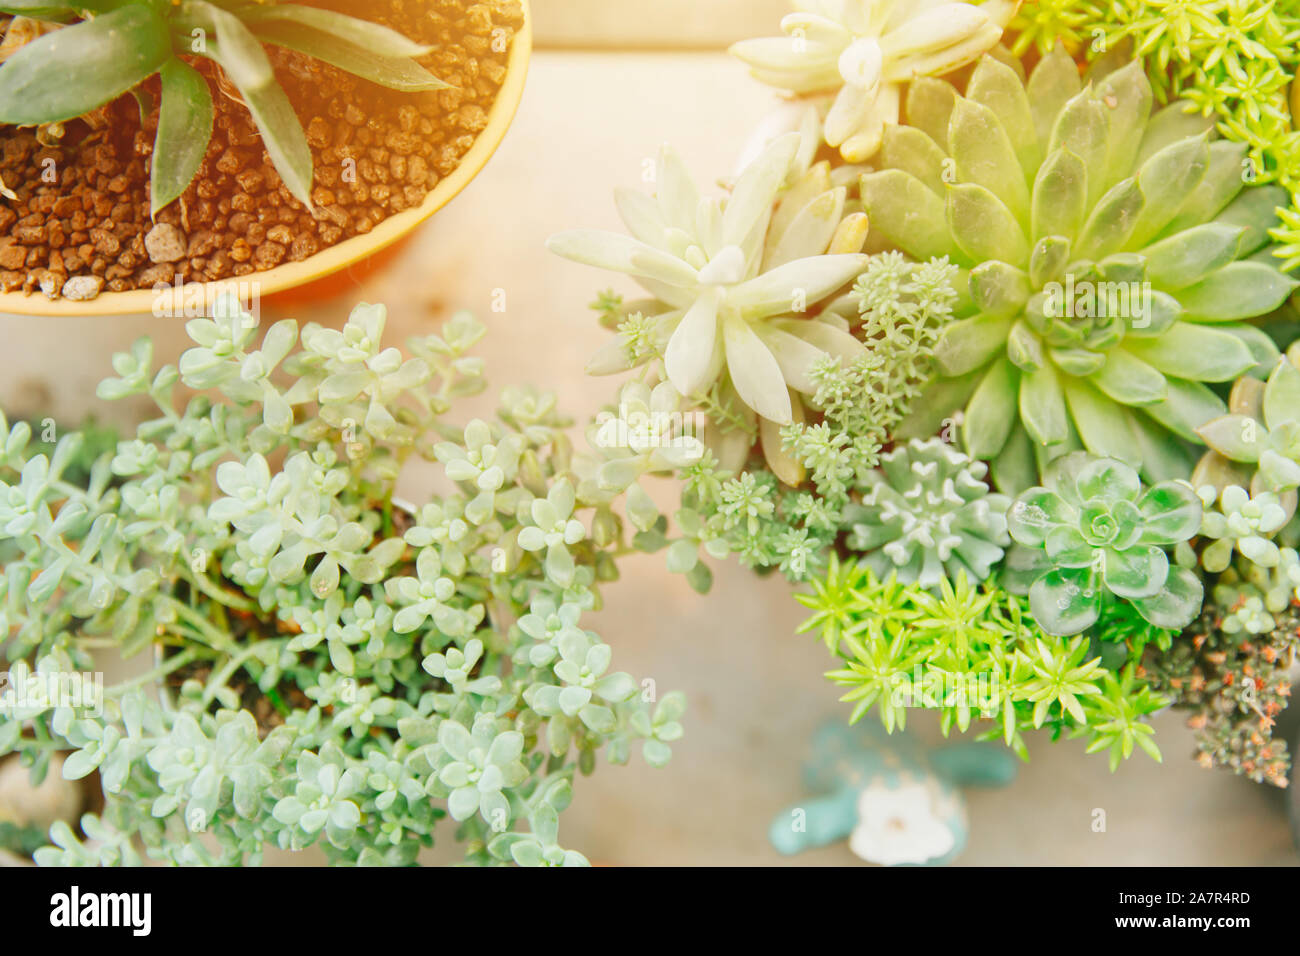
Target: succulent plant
{"points": [[1258, 441], [116, 45], [329, 664], [974, 655], [926, 514], [1093, 534], [1105, 247], [858, 54], [728, 290], [1235, 685], [1241, 522]]}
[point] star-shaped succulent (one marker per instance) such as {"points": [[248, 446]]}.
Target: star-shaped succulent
{"points": [[731, 281], [857, 54]]}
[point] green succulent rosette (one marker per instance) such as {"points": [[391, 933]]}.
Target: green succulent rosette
{"points": [[1094, 534], [1112, 260], [928, 515]]}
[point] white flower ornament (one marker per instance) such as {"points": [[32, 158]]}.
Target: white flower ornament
{"points": [[904, 823]]}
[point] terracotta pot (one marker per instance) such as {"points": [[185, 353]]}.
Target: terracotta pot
{"points": [[351, 254]]}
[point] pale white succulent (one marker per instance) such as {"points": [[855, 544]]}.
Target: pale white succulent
{"points": [[649, 433], [858, 53], [733, 278]]}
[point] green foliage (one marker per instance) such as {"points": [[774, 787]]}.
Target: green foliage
{"points": [[974, 655], [1232, 60], [112, 47], [1257, 443], [1094, 534], [785, 510], [1106, 256], [1234, 684], [928, 515], [334, 666]]}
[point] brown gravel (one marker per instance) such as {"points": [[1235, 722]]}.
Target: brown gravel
{"points": [[377, 152]]}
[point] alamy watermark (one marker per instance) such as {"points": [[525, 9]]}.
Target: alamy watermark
{"points": [[24, 690], [1085, 299], [642, 430], [931, 687], [195, 300]]}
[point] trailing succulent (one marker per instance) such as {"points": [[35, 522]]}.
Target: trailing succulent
{"points": [[332, 665], [1111, 258], [105, 48]]}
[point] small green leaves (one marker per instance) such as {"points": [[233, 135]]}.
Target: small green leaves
{"points": [[71, 71], [976, 656], [404, 664]]}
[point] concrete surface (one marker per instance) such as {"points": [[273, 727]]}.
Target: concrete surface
{"points": [[588, 123]]}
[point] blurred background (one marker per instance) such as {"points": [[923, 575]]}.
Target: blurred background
{"points": [[609, 82]]}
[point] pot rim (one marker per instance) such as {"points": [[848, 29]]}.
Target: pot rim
{"points": [[172, 302]]}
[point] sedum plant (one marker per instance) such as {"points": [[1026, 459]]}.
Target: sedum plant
{"points": [[975, 655], [1109, 258], [112, 47], [1093, 535], [1237, 521], [323, 663], [855, 55], [1234, 686]]}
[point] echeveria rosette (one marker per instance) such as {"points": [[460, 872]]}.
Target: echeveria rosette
{"points": [[855, 55], [1258, 441], [728, 294], [1094, 533], [1049, 193], [926, 515]]}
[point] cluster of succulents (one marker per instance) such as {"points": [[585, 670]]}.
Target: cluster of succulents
{"points": [[1033, 411], [319, 662], [1235, 685], [974, 653], [1232, 61], [90, 52]]}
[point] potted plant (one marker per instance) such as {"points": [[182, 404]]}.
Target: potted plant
{"points": [[263, 146], [988, 347], [321, 662]]}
